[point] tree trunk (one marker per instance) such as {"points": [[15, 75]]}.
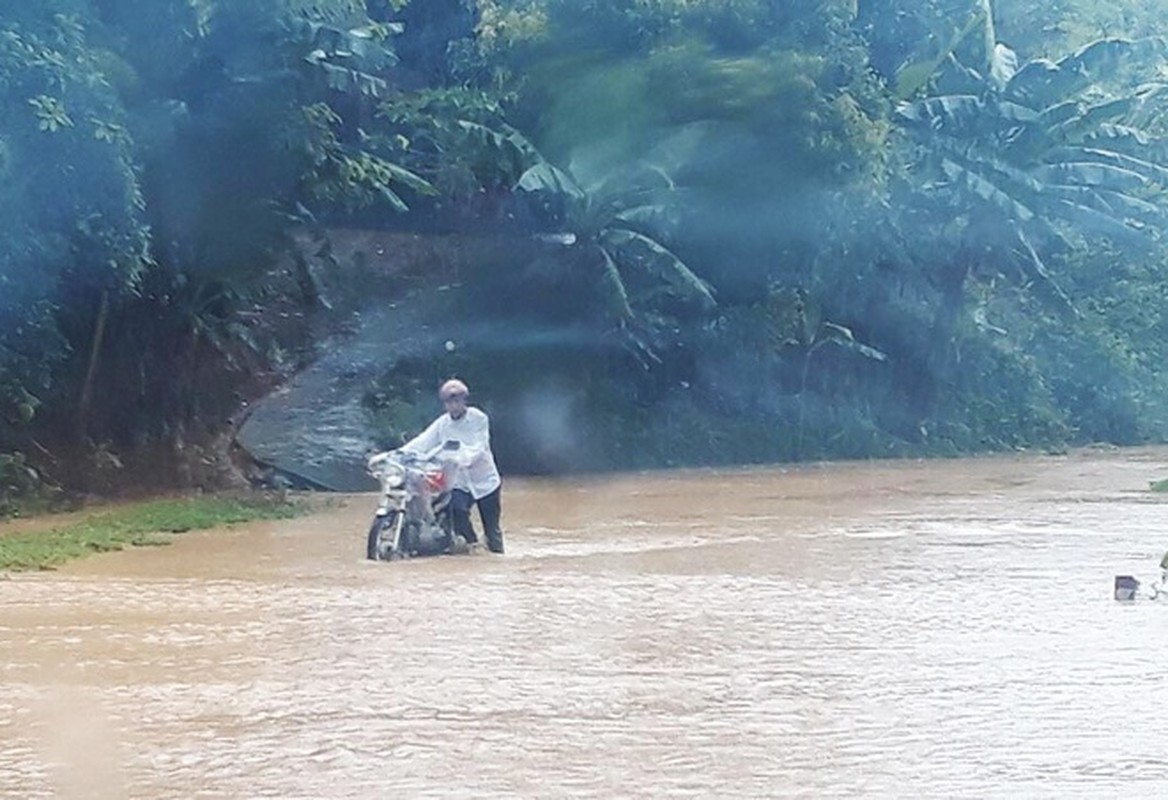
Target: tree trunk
{"points": [[952, 301], [82, 420]]}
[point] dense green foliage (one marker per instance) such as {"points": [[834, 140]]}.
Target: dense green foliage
{"points": [[884, 226]]}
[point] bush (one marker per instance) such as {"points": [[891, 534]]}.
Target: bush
{"points": [[18, 482]]}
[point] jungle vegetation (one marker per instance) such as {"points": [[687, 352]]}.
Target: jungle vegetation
{"points": [[859, 227]]}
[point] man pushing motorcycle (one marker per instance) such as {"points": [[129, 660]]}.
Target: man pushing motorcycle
{"points": [[476, 478]]}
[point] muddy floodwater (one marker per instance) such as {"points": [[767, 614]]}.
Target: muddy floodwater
{"points": [[915, 629]]}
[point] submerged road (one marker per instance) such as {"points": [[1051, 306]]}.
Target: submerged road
{"points": [[936, 629], [316, 430]]}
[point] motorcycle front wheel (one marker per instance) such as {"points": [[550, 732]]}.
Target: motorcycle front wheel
{"points": [[380, 543]]}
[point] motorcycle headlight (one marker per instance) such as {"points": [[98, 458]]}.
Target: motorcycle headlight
{"points": [[393, 476]]}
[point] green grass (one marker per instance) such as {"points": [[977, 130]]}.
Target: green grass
{"points": [[139, 525]]}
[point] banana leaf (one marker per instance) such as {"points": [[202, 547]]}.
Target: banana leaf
{"points": [[392, 197], [356, 44], [1042, 83], [1088, 173], [912, 77], [612, 288], [1003, 66], [1087, 219], [1011, 179], [1101, 58], [1060, 113], [411, 179], [504, 138], [959, 115], [1015, 112], [663, 263], [982, 188], [1033, 264], [1034, 81], [1121, 207], [546, 177], [651, 216], [1151, 107], [954, 112], [342, 79], [1122, 133], [842, 336], [1075, 128], [1151, 171], [954, 78], [642, 181], [1129, 140]]}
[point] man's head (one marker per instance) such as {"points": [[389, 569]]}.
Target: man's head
{"points": [[453, 394]]}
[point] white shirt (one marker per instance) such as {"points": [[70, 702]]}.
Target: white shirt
{"points": [[478, 473]]}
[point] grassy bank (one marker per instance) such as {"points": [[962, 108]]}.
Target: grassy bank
{"points": [[142, 524]]}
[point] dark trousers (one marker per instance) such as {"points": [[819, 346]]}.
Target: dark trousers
{"points": [[490, 511]]}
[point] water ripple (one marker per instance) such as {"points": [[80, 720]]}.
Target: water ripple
{"points": [[910, 643]]}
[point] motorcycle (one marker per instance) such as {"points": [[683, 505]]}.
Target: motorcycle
{"points": [[414, 515]]}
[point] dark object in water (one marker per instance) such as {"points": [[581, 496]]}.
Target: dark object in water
{"points": [[1126, 587]]}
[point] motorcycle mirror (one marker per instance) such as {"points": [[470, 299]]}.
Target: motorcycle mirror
{"points": [[451, 444]]}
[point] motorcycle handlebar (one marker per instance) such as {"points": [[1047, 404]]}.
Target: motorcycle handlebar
{"points": [[408, 458]]}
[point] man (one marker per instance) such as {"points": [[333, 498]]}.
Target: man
{"points": [[476, 481]]}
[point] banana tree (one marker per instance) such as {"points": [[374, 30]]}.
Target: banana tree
{"points": [[914, 43], [796, 326], [1012, 178], [610, 227]]}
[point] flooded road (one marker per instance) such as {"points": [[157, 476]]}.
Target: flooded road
{"points": [[876, 630]]}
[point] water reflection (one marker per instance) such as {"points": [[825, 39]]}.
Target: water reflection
{"points": [[943, 629]]}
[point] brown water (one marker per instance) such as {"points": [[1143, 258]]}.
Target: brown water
{"points": [[881, 630]]}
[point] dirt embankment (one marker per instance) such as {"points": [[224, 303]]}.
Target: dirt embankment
{"points": [[169, 420], [309, 305]]}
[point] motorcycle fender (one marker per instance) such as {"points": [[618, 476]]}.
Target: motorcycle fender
{"points": [[386, 506]]}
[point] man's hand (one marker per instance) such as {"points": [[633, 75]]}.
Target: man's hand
{"points": [[460, 459], [376, 460]]}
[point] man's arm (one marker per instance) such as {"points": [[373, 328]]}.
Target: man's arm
{"points": [[478, 442], [425, 441]]}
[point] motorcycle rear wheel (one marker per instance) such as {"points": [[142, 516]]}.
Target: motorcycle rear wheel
{"points": [[376, 547]]}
